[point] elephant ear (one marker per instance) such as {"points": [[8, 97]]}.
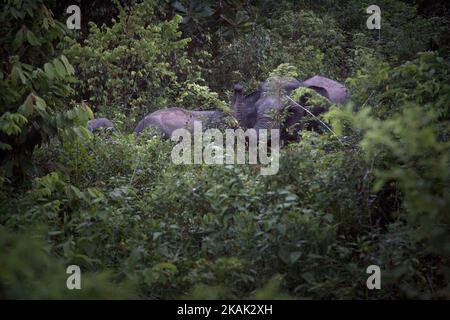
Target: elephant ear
{"points": [[333, 90]]}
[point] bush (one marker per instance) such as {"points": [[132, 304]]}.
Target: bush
{"points": [[35, 83], [29, 272], [138, 65], [410, 149]]}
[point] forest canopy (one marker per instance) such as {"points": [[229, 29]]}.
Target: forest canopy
{"points": [[365, 182]]}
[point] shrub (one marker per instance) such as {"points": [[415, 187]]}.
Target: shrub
{"points": [[29, 272], [136, 66], [410, 149], [35, 83]]}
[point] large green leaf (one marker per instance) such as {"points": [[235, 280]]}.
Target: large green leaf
{"points": [[27, 107], [32, 38], [49, 70], [59, 67]]}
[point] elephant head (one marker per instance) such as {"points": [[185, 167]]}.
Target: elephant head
{"points": [[262, 108], [95, 124], [246, 107], [334, 91], [168, 120], [272, 111]]}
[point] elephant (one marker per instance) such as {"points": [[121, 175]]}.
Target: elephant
{"points": [[95, 124], [170, 119], [247, 114], [263, 109], [334, 91]]}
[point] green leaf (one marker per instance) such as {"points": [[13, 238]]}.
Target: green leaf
{"points": [[67, 64], [60, 70], [32, 38], [18, 39], [294, 256], [17, 74], [165, 266], [54, 233], [41, 106], [284, 255], [5, 146], [49, 70], [11, 123], [27, 107]]}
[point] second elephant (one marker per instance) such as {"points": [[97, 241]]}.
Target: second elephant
{"points": [[95, 124], [168, 120]]}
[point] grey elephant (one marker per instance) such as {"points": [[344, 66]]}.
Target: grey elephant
{"points": [[266, 108], [95, 124], [166, 121], [247, 112]]}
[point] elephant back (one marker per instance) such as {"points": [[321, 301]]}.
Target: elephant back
{"points": [[95, 124], [170, 119], [333, 90], [164, 120]]}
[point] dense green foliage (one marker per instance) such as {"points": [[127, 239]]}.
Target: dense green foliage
{"points": [[377, 192], [35, 83]]}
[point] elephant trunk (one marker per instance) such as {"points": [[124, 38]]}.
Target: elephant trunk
{"points": [[269, 109], [266, 124], [238, 104]]}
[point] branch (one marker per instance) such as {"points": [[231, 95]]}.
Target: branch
{"points": [[309, 112]]}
